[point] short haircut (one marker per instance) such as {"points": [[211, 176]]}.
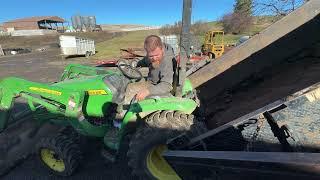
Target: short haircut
{"points": [[152, 42]]}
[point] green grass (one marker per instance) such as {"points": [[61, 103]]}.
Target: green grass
{"points": [[230, 38], [111, 48], [215, 25]]}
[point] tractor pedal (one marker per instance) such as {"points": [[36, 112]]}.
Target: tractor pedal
{"points": [[109, 155]]}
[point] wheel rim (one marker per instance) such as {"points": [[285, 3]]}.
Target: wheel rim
{"points": [[158, 166], [134, 63], [50, 158]]}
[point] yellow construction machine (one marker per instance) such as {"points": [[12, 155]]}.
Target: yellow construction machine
{"points": [[213, 45]]}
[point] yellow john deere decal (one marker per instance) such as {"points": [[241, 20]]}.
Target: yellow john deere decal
{"points": [[43, 90], [97, 92]]}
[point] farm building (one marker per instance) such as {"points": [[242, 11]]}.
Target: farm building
{"points": [[35, 25]]}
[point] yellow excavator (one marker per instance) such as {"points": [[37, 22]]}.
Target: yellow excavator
{"points": [[213, 45]]}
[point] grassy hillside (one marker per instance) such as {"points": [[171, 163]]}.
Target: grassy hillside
{"points": [[96, 36], [111, 48]]}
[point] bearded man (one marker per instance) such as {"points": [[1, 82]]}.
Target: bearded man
{"points": [[160, 60]]}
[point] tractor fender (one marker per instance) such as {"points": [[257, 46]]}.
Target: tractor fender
{"points": [[143, 108]]}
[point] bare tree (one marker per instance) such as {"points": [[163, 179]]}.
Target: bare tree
{"points": [[240, 20], [243, 7], [171, 29], [276, 7], [198, 28], [236, 23], [165, 30]]}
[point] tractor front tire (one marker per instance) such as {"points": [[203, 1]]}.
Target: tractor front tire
{"points": [[59, 154], [72, 134], [146, 147]]}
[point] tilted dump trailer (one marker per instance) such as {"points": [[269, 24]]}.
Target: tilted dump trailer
{"points": [[276, 141], [248, 134], [284, 51]]}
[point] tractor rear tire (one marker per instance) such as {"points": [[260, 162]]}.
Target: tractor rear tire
{"points": [[149, 141], [59, 154]]}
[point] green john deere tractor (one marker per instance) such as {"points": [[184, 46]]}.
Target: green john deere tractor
{"points": [[91, 102]]}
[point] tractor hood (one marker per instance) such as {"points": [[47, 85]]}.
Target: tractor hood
{"points": [[83, 83], [101, 91]]}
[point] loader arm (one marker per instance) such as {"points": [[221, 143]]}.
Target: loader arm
{"points": [[74, 70], [56, 100]]}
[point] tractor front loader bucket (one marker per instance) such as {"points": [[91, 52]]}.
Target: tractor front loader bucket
{"points": [[18, 139], [19, 130]]}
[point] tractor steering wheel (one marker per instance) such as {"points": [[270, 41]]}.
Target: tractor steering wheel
{"points": [[129, 71]]}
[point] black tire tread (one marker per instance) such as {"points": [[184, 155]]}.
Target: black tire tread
{"points": [[65, 148], [165, 124]]}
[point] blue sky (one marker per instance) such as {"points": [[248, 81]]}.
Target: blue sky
{"points": [[145, 12]]}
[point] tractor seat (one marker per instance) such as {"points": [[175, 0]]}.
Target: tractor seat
{"points": [[133, 88], [118, 85]]}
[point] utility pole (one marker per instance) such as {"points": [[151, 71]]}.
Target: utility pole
{"points": [[184, 44]]}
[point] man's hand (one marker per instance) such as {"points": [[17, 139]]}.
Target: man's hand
{"points": [[142, 94]]}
